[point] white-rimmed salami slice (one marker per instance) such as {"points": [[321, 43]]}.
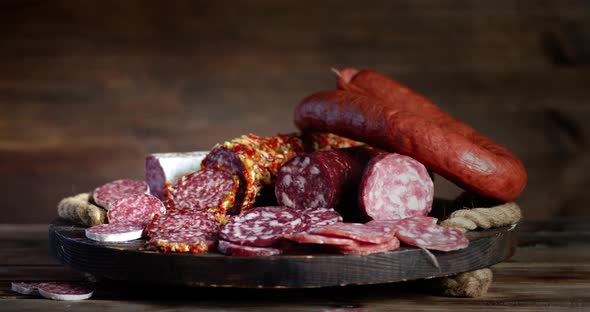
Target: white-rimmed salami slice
{"points": [[207, 189], [139, 209], [368, 248], [308, 238], [324, 179], [182, 220], [163, 168], [231, 249], [25, 288], [395, 187], [115, 232], [421, 232], [263, 226], [321, 216], [357, 231], [183, 241], [105, 195], [65, 290]]}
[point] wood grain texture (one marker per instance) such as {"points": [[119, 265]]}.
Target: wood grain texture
{"points": [[547, 273], [88, 89]]}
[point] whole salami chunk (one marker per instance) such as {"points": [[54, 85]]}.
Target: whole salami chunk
{"points": [[65, 290], [231, 249], [105, 195], [139, 209], [263, 226], [182, 220], [256, 161], [115, 232], [395, 187], [207, 189], [324, 179], [357, 231], [421, 232], [321, 216], [163, 168]]}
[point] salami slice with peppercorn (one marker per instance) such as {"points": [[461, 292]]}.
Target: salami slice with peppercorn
{"points": [[138, 209], [207, 189], [105, 195], [263, 226], [395, 187]]}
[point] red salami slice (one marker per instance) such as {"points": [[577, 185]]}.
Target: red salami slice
{"points": [[324, 179], [231, 249], [65, 290], [367, 248], [357, 231], [395, 187], [321, 216], [137, 209], [263, 226], [208, 189], [421, 232], [308, 238], [167, 168], [115, 232], [188, 240], [109, 193], [25, 288], [180, 220]]}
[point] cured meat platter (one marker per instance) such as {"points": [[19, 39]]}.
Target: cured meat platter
{"points": [[124, 261]]}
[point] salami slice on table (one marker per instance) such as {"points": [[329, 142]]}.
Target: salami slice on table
{"points": [[183, 241], [207, 189], [231, 249], [256, 161], [181, 220], [65, 290], [105, 195], [115, 232], [137, 209], [368, 248], [163, 168], [321, 216], [309, 238], [357, 231], [395, 187], [25, 288], [421, 232], [324, 179], [263, 226]]}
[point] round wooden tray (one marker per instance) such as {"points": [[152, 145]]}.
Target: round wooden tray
{"points": [[124, 261]]}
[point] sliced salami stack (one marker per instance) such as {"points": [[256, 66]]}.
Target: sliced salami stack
{"points": [[262, 227]]}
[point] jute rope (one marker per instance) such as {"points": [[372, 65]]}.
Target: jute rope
{"points": [[476, 283]]}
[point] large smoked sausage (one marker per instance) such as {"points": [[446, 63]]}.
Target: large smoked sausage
{"points": [[398, 120]]}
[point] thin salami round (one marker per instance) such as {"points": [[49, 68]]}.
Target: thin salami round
{"points": [[231, 249], [321, 216], [188, 240], [367, 248], [105, 195], [324, 179], [394, 187], [115, 232], [25, 288], [207, 189], [65, 290], [263, 226], [139, 209], [308, 238], [180, 220], [357, 231], [421, 232]]}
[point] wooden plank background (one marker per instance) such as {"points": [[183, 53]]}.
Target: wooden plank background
{"points": [[88, 88]]}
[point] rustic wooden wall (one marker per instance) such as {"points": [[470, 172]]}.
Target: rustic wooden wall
{"points": [[87, 88]]}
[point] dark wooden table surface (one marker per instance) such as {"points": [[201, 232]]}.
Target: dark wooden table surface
{"points": [[549, 272]]}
